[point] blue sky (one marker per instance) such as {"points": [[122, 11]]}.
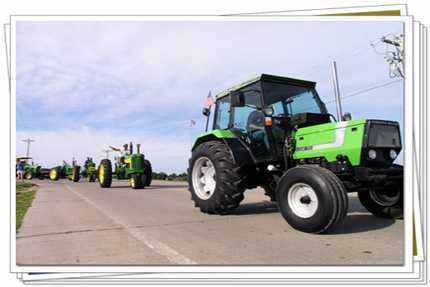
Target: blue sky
{"points": [[84, 85]]}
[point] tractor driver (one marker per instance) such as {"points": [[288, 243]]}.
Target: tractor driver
{"points": [[63, 165], [87, 162], [123, 152]]}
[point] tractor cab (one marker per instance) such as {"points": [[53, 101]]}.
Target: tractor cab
{"points": [[264, 111]]}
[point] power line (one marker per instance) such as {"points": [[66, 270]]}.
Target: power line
{"points": [[23, 122], [349, 70], [370, 89], [324, 64], [182, 144]]}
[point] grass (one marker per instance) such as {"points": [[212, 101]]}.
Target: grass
{"points": [[24, 198]]}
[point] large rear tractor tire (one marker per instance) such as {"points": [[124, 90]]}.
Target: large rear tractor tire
{"points": [[54, 173], [312, 199], [105, 173], [148, 173], [76, 176], [386, 202], [216, 183]]}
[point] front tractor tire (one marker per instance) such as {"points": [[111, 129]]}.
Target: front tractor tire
{"points": [[91, 178], [137, 182], [105, 173], [312, 199], [216, 183], [386, 202]]}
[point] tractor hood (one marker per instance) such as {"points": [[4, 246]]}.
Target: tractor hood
{"points": [[331, 139]]}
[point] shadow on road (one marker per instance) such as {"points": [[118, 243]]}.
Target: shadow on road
{"points": [[185, 185], [255, 208], [356, 223], [357, 220], [155, 186]]}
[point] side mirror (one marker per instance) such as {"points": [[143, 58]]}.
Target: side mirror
{"points": [[346, 117], [206, 111], [237, 99]]}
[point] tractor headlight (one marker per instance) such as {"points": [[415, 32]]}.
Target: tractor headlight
{"points": [[393, 154], [268, 112], [372, 154]]}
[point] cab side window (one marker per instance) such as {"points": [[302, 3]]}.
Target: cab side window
{"points": [[249, 123], [223, 113]]}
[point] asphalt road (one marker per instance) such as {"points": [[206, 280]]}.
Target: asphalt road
{"points": [[82, 224]]}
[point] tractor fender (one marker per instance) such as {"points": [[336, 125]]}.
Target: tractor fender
{"points": [[239, 152]]}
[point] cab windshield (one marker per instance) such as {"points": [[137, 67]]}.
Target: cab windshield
{"points": [[287, 99]]}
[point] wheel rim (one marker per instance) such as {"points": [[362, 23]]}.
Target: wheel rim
{"points": [[52, 174], [101, 174], [384, 198], [28, 176], [133, 182], [302, 200], [203, 178]]}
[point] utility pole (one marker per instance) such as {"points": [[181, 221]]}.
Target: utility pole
{"points": [[192, 122], [395, 58], [107, 151], [28, 145]]}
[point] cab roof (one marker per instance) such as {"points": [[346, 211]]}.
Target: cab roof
{"points": [[266, 77]]}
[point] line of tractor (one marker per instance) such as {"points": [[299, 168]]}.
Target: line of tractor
{"points": [[133, 167]]}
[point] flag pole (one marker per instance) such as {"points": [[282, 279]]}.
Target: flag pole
{"points": [[207, 108], [207, 113]]}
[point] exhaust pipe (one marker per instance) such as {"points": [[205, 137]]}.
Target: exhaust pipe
{"points": [[336, 91]]}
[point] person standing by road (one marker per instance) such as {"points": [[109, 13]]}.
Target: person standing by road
{"points": [[21, 171]]}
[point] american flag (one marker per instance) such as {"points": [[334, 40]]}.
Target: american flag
{"points": [[209, 101]]}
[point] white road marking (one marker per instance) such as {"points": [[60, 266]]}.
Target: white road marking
{"points": [[172, 255]]}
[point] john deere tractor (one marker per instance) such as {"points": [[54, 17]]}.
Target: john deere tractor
{"points": [[69, 171], [275, 132], [31, 171], [90, 171], [133, 167]]}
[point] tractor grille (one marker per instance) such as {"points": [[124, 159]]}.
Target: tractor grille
{"points": [[384, 136]]}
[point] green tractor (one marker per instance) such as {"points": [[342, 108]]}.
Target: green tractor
{"points": [[31, 171], [90, 171], [133, 167], [275, 132], [72, 172]]}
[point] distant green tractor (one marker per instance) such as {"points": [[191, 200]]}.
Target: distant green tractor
{"points": [[69, 171], [133, 167], [33, 171], [90, 171]]}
